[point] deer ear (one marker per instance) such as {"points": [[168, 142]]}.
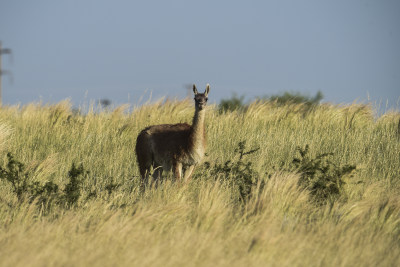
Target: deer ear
{"points": [[195, 89], [207, 89]]}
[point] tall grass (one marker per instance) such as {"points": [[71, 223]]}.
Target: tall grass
{"points": [[113, 223]]}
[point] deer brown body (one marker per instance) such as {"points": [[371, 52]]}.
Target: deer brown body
{"points": [[177, 147]]}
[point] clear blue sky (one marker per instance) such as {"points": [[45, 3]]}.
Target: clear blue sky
{"points": [[117, 49]]}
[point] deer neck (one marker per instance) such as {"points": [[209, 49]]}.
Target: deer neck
{"points": [[197, 134]]}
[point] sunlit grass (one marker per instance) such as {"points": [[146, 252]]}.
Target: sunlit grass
{"points": [[201, 224]]}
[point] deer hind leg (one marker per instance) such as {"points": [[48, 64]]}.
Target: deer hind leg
{"points": [[144, 169], [144, 173], [157, 172], [144, 155]]}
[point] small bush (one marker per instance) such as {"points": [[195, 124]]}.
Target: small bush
{"points": [[72, 190], [15, 174], [238, 172], [44, 194], [48, 193], [323, 178], [320, 175]]}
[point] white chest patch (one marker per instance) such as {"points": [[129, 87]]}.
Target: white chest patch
{"points": [[196, 156]]}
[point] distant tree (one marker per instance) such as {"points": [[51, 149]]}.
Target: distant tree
{"points": [[237, 102], [231, 104], [296, 98], [105, 102]]}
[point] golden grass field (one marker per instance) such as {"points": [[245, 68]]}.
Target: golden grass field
{"points": [[200, 223]]}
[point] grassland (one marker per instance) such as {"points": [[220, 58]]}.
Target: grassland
{"points": [[112, 223]]}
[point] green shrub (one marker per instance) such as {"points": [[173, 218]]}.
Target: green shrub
{"points": [[238, 172], [72, 190], [321, 176], [44, 194], [26, 190], [15, 174], [48, 193]]}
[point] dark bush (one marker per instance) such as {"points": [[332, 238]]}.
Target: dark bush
{"points": [[15, 174], [72, 190], [321, 176], [238, 172], [48, 193]]}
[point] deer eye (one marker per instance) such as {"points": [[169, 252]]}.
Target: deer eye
{"points": [[206, 98]]}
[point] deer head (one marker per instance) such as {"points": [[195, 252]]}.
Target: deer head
{"points": [[201, 99]]}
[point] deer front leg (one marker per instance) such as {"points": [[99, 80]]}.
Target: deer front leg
{"points": [[188, 173], [177, 168]]}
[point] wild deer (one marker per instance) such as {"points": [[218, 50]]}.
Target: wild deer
{"points": [[179, 147]]}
